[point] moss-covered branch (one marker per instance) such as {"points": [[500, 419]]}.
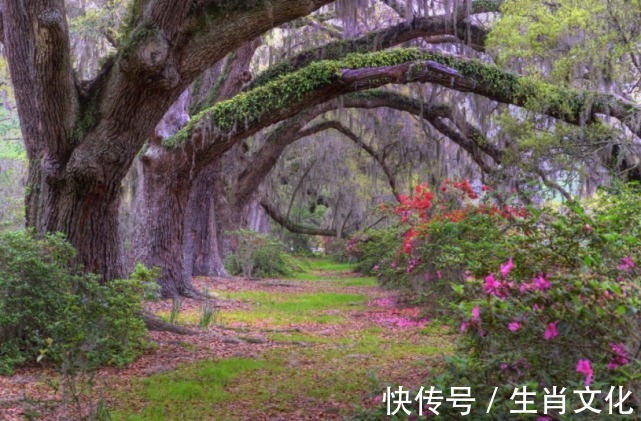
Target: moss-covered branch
{"points": [[251, 111], [384, 39]]}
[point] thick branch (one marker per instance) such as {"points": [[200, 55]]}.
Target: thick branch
{"points": [[218, 127], [164, 53], [249, 112], [36, 38], [275, 214], [265, 159], [380, 40], [226, 25]]}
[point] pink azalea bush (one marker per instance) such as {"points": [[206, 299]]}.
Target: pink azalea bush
{"points": [[562, 310], [555, 301]]}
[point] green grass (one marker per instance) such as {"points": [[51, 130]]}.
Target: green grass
{"points": [[341, 370], [282, 309], [189, 392], [353, 281], [325, 264], [329, 271]]}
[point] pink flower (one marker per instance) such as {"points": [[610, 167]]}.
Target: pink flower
{"points": [[464, 326], [514, 326], [543, 418], [537, 307], [375, 268], [587, 228], [507, 267], [491, 285], [626, 264], [551, 331], [584, 367], [392, 265], [620, 356], [476, 314], [541, 283], [438, 274]]}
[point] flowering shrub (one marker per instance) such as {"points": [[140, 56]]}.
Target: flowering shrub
{"points": [[437, 238], [562, 328], [375, 252], [560, 309]]}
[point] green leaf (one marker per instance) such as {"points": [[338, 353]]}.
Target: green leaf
{"points": [[458, 289]]}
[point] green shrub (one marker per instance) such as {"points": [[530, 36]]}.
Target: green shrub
{"points": [[50, 311], [259, 255], [375, 249], [562, 310]]}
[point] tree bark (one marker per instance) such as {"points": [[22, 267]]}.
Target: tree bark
{"points": [[82, 138], [203, 253], [162, 211]]}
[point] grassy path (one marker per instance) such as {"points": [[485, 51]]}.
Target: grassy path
{"points": [[315, 347]]}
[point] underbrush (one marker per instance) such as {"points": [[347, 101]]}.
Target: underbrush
{"points": [[545, 296], [260, 256], [51, 312]]}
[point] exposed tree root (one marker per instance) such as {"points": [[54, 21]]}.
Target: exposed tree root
{"points": [[155, 323]]}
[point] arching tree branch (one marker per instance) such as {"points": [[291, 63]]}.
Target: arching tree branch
{"points": [[467, 137], [217, 27], [222, 125], [420, 27], [275, 214]]}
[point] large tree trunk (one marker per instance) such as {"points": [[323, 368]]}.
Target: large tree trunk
{"points": [[203, 252], [86, 213], [161, 209], [81, 138]]}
